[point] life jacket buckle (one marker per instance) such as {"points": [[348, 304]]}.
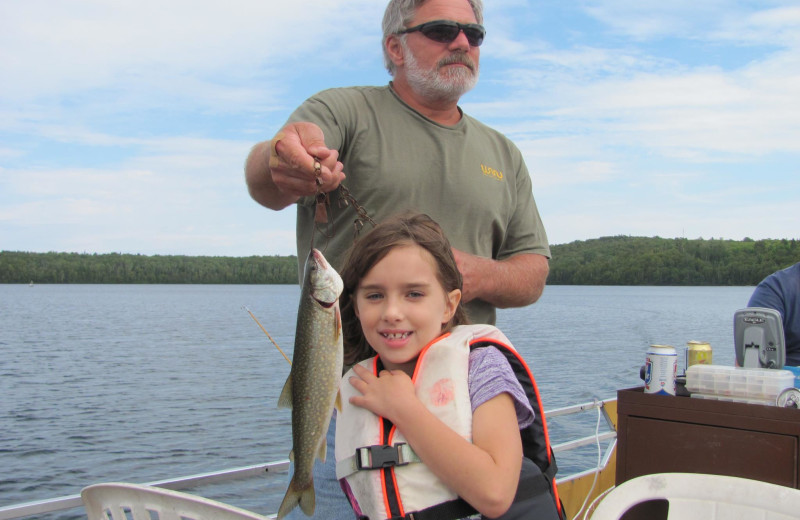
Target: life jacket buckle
{"points": [[381, 456]]}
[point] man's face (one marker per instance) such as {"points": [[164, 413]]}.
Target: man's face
{"points": [[440, 71]]}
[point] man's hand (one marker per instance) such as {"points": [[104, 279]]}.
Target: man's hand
{"points": [[292, 161], [296, 163]]}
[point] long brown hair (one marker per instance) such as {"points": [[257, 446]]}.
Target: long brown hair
{"points": [[400, 230]]}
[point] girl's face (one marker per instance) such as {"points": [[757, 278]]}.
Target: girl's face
{"points": [[402, 306]]}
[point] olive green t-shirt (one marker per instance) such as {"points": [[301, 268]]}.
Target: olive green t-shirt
{"points": [[468, 177]]}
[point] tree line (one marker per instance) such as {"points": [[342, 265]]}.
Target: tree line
{"points": [[618, 260], [625, 260], [115, 268]]}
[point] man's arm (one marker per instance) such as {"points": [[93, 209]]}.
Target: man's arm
{"points": [[513, 282], [280, 171]]}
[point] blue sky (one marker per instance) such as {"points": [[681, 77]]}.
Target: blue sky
{"points": [[124, 125]]}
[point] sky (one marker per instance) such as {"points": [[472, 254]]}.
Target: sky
{"points": [[124, 125]]}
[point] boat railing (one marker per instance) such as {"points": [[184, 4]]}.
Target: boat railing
{"points": [[597, 438], [40, 507]]}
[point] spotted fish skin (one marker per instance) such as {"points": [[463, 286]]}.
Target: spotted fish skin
{"points": [[313, 384]]}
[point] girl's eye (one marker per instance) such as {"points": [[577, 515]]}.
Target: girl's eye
{"points": [[373, 296], [415, 294]]}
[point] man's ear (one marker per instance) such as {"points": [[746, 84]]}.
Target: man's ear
{"points": [[395, 49]]}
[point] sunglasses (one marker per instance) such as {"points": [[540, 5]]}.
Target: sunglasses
{"points": [[445, 31]]}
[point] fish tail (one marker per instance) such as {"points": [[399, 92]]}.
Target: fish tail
{"points": [[296, 495]]}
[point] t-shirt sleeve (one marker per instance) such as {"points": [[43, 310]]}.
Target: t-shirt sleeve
{"points": [[489, 376], [768, 294]]}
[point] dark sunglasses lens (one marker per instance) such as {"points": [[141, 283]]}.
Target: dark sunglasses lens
{"points": [[442, 33], [474, 36]]}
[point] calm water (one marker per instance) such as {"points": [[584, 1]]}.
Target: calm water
{"points": [[140, 383]]}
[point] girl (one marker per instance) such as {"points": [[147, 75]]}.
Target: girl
{"points": [[427, 417]]}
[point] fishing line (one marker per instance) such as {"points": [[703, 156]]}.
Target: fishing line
{"points": [[267, 333], [599, 405], [596, 500], [322, 223]]}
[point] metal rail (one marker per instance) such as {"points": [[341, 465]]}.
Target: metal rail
{"points": [[589, 439], [73, 501]]}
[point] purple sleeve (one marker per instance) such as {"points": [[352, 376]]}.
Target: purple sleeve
{"points": [[489, 376]]}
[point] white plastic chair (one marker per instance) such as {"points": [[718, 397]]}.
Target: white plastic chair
{"points": [[694, 496], [122, 501]]}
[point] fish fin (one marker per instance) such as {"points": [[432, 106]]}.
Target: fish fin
{"points": [[337, 324], [285, 400], [305, 497], [322, 451], [308, 500], [338, 402]]}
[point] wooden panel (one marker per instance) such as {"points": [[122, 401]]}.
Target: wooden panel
{"points": [[666, 447]]}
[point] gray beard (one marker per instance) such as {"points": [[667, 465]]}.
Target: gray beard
{"points": [[443, 88]]}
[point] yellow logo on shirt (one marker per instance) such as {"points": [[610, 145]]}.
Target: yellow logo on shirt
{"points": [[491, 172]]}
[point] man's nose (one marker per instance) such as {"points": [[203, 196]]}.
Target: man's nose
{"points": [[460, 43]]}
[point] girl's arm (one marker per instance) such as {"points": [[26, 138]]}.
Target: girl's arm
{"points": [[485, 472]]}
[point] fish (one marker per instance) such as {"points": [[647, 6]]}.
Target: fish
{"points": [[312, 388]]}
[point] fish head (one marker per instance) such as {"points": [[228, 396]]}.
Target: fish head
{"points": [[323, 282]]}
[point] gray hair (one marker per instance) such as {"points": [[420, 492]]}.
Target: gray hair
{"points": [[400, 12]]}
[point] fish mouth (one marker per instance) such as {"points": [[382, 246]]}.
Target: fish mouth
{"points": [[319, 258], [324, 304]]}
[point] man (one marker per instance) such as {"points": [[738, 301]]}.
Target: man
{"points": [[408, 146], [781, 291]]}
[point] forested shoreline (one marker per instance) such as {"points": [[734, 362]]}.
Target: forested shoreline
{"points": [[20, 267], [619, 260]]}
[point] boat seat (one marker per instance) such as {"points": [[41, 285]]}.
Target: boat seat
{"points": [[694, 496], [122, 501]]}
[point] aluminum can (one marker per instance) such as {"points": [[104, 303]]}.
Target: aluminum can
{"points": [[698, 353], [661, 366]]}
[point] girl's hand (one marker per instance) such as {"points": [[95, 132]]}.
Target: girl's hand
{"points": [[387, 395]]}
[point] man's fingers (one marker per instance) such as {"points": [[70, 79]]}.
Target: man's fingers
{"points": [[301, 164]]}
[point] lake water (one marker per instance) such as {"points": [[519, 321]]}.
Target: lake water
{"points": [[140, 383]]}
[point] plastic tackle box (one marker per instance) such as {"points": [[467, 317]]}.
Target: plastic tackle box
{"points": [[727, 383]]}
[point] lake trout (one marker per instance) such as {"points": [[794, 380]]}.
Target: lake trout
{"points": [[312, 387]]}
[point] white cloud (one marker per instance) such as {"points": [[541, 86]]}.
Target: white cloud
{"points": [[72, 46]]}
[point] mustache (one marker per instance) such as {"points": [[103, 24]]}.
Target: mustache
{"points": [[458, 57]]}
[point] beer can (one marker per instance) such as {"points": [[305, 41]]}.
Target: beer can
{"points": [[698, 353], [661, 365]]}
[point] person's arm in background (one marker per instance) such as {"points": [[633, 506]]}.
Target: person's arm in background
{"points": [[513, 282], [280, 171]]}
